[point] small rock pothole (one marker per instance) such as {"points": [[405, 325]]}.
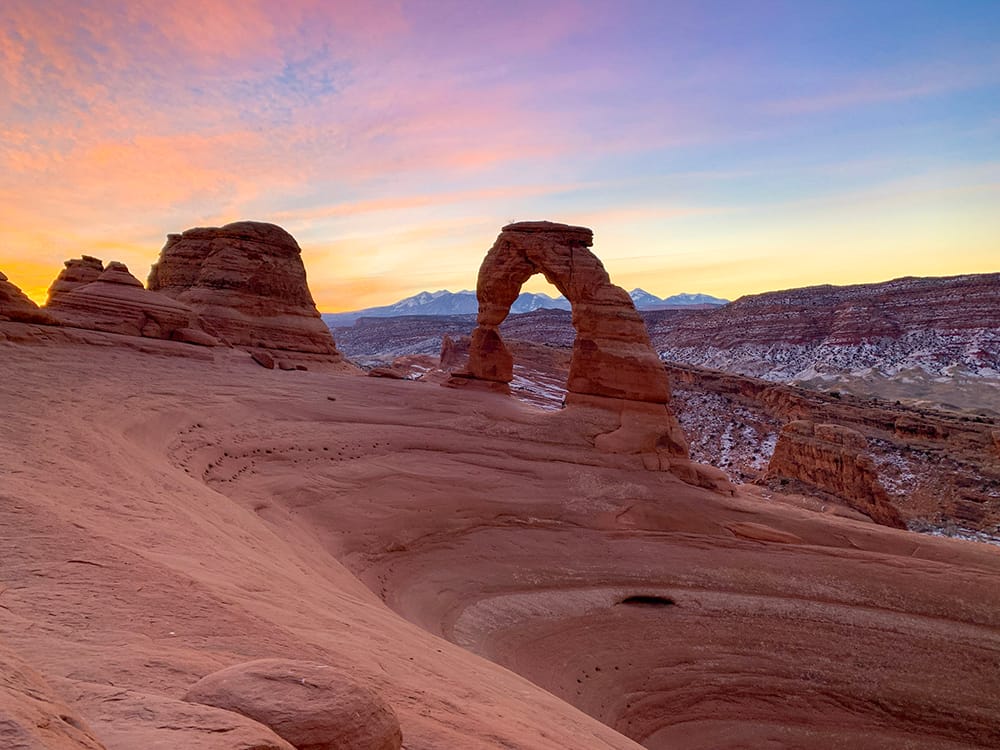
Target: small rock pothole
{"points": [[648, 600]]}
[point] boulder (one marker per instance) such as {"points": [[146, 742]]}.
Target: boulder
{"points": [[118, 303], [453, 355], [386, 372], [130, 719], [312, 706], [830, 459], [262, 358], [247, 282], [16, 306], [77, 272]]}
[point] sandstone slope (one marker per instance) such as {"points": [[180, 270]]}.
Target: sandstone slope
{"points": [[403, 531]]}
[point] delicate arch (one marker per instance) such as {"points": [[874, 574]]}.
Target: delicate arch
{"points": [[612, 354]]}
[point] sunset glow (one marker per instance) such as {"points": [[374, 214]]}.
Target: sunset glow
{"points": [[716, 147]]}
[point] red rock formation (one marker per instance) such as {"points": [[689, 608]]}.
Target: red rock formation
{"points": [[77, 272], [909, 330], [247, 283], [16, 306], [614, 374], [832, 459], [941, 470], [226, 531], [450, 356], [118, 303], [847, 314], [312, 706], [612, 355]]}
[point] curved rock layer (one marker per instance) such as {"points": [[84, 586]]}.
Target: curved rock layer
{"points": [[247, 282], [832, 459], [678, 617], [16, 306], [76, 273], [247, 516], [118, 303]]}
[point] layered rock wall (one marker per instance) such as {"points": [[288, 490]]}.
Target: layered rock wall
{"points": [[247, 282], [117, 303], [76, 273], [16, 306], [937, 326], [832, 459]]}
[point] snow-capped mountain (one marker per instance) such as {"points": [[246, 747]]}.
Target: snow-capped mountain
{"points": [[641, 298], [443, 302], [694, 299]]}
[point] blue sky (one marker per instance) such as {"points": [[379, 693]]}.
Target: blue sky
{"points": [[724, 147]]}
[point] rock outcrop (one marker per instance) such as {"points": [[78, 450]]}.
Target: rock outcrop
{"points": [[16, 306], [312, 706], [612, 355], [831, 459], [32, 716], [77, 272], [894, 340], [614, 370], [247, 283], [118, 303], [941, 470]]}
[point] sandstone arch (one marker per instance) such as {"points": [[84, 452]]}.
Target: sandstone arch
{"points": [[614, 368], [612, 355]]}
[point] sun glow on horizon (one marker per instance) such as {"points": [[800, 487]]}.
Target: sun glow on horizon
{"points": [[718, 152]]}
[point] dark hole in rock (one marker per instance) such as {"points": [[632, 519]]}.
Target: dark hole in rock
{"points": [[71, 721], [648, 600]]}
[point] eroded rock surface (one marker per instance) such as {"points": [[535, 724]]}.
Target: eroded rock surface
{"points": [[312, 706], [129, 719], [118, 303], [244, 512], [76, 273], [16, 306], [247, 282], [32, 716], [831, 458]]}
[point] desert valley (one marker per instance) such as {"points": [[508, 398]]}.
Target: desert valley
{"points": [[767, 524]]}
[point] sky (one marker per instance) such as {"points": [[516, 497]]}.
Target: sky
{"points": [[726, 148]]}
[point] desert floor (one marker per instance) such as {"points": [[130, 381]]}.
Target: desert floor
{"points": [[168, 512]]}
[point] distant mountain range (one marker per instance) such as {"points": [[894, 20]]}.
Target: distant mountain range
{"points": [[443, 302]]}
